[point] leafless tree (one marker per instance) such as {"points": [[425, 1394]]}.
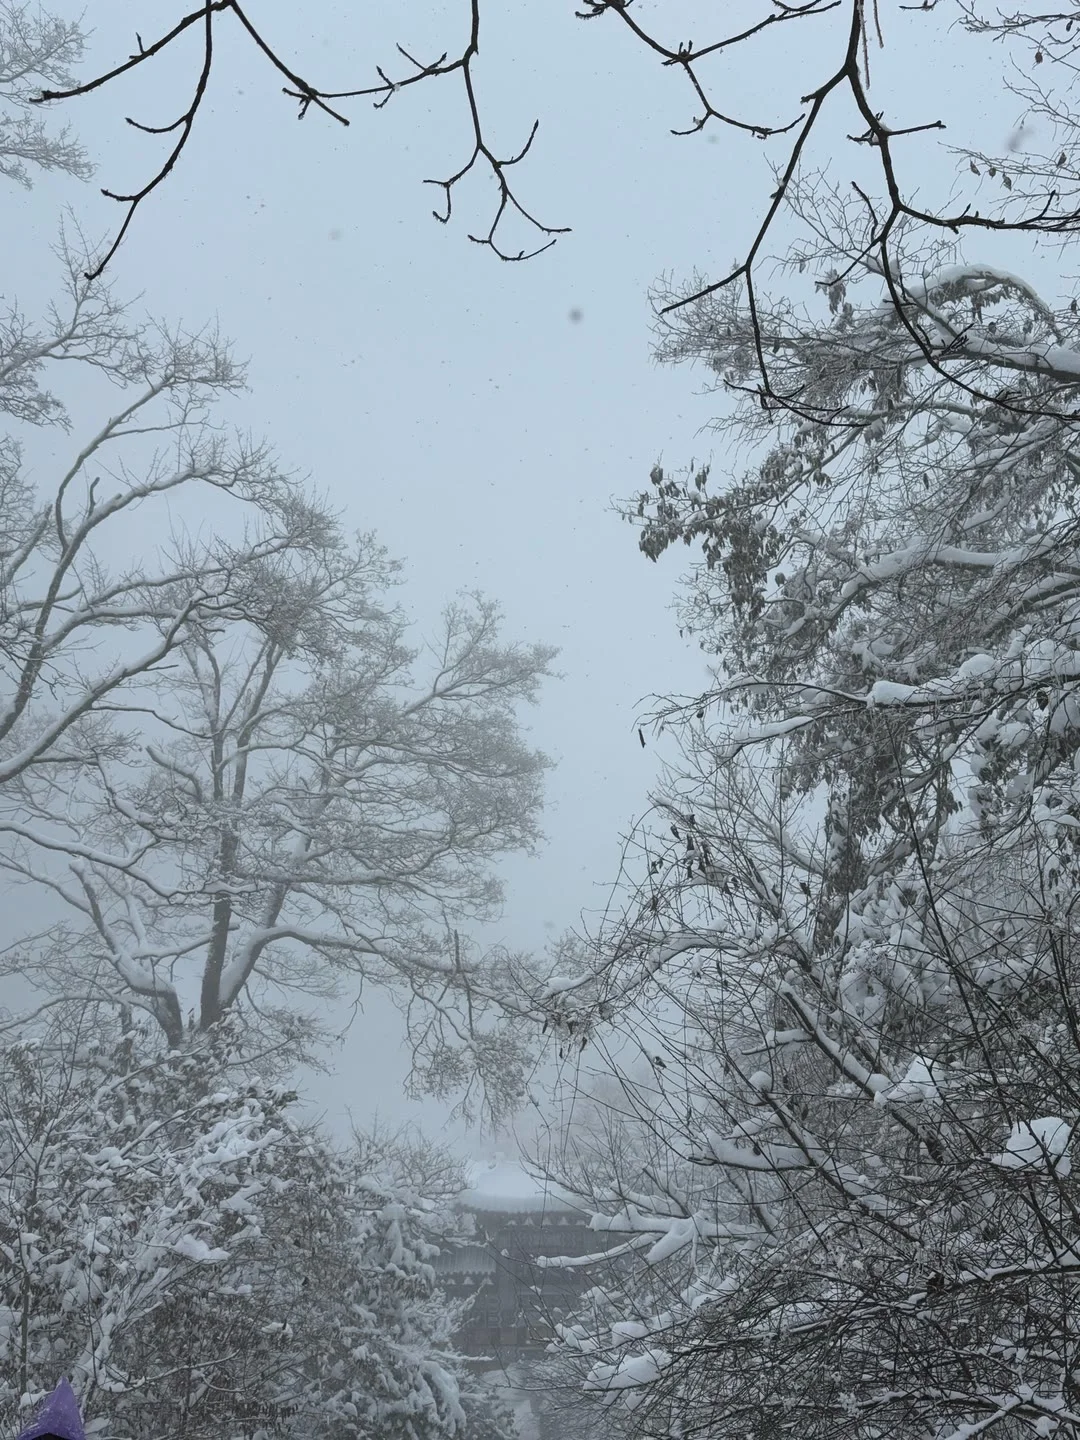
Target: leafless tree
{"points": [[846, 969], [84, 616], [845, 1164], [221, 762], [846, 33], [296, 810], [36, 50]]}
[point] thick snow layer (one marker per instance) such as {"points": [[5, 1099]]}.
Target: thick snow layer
{"points": [[1038, 1144], [890, 692], [192, 1248], [627, 1380], [922, 1081], [560, 984]]}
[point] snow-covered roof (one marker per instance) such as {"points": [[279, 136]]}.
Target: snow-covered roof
{"points": [[504, 1186]]}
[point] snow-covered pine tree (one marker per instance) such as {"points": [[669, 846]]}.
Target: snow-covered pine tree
{"points": [[202, 1262], [852, 962]]}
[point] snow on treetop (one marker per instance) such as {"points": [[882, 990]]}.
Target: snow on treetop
{"points": [[191, 1247], [627, 1380], [923, 1080], [1038, 1144]]}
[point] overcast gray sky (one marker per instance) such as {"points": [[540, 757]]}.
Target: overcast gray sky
{"points": [[445, 400]]}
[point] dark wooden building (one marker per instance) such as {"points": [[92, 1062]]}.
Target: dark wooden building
{"points": [[516, 1301]]}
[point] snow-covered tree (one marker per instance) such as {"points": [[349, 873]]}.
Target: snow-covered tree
{"points": [[37, 50], [218, 749], [99, 584], [59, 594], [99, 581], [305, 805], [850, 964], [201, 1262]]}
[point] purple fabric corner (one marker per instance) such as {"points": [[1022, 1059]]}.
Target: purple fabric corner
{"points": [[59, 1415]]}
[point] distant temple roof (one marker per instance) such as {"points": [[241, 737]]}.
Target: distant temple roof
{"points": [[503, 1186]]}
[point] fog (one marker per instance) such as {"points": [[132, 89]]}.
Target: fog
{"points": [[329, 724]]}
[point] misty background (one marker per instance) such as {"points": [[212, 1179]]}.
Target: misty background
{"points": [[480, 417]]}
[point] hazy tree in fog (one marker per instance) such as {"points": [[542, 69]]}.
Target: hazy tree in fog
{"points": [[315, 800], [92, 551], [219, 748], [225, 758], [36, 49]]}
